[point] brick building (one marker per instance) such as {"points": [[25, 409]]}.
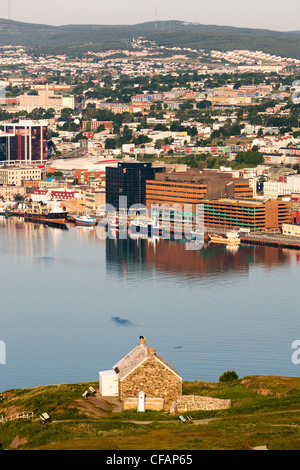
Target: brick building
{"points": [[85, 176], [257, 215], [94, 124], [142, 369], [190, 188]]}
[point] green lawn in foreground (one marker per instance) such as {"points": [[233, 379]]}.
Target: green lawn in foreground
{"points": [[265, 411]]}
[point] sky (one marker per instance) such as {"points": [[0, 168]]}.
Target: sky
{"points": [[266, 14]]}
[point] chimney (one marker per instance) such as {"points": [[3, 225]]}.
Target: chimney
{"points": [[143, 340], [151, 352]]}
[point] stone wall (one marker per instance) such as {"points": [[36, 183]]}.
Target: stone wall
{"points": [[154, 404], [187, 403], [156, 380]]}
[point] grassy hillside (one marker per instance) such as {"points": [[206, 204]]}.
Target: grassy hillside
{"points": [[270, 42], [265, 411], [68, 38]]}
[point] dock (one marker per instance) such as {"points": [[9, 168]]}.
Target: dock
{"points": [[271, 239]]}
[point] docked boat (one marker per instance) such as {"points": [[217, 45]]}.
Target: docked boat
{"points": [[149, 229], [5, 209], [114, 225], [231, 238], [6, 214], [197, 234], [41, 215], [85, 221]]}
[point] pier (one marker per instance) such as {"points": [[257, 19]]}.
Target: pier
{"points": [[271, 239]]}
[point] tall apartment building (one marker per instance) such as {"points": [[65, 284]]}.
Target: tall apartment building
{"points": [[25, 141]]}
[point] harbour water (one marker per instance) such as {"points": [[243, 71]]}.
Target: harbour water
{"points": [[72, 305]]}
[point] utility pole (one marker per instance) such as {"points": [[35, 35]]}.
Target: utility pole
{"points": [[155, 18], [9, 9]]}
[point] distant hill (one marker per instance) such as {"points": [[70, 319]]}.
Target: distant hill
{"points": [[79, 38]]}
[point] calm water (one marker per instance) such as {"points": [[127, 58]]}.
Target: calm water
{"points": [[72, 305]]}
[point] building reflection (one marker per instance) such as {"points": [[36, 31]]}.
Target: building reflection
{"points": [[28, 238], [126, 256], [167, 256], [131, 256]]}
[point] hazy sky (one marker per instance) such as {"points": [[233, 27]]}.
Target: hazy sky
{"points": [[270, 14]]}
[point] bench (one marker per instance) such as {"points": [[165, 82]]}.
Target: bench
{"points": [[44, 417]]}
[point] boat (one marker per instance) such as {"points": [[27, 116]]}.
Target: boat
{"points": [[45, 215], [114, 225], [149, 229], [154, 228], [231, 238], [5, 209], [198, 234], [85, 220], [6, 214]]}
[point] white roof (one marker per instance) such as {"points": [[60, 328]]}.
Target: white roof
{"points": [[107, 373]]}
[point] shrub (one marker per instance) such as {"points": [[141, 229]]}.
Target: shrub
{"points": [[250, 157], [229, 376]]}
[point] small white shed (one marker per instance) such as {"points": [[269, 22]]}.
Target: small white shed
{"points": [[108, 383]]}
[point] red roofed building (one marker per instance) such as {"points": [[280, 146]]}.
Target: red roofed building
{"points": [[45, 196]]}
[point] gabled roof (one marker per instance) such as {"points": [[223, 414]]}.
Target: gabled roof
{"points": [[167, 365], [135, 358], [131, 361]]}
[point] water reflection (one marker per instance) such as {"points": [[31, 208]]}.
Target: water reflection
{"points": [[67, 298], [166, 256]]}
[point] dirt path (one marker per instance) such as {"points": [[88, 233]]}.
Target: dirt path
{"points": [[96, 407], [198, 422]]}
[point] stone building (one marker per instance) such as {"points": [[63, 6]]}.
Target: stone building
{"points": [[142, 369]]}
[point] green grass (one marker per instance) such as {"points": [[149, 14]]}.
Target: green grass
{"points": [[53, 399], [252, 420]]}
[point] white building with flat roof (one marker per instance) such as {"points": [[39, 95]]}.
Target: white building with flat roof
{"points": [[272, 190], [292, 230], [14, 176], [285, 188]]}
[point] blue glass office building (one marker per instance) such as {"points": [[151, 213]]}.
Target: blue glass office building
{"points": [[129, 179]]}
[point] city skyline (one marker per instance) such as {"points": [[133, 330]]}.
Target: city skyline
{"points": [[260, 16]]}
